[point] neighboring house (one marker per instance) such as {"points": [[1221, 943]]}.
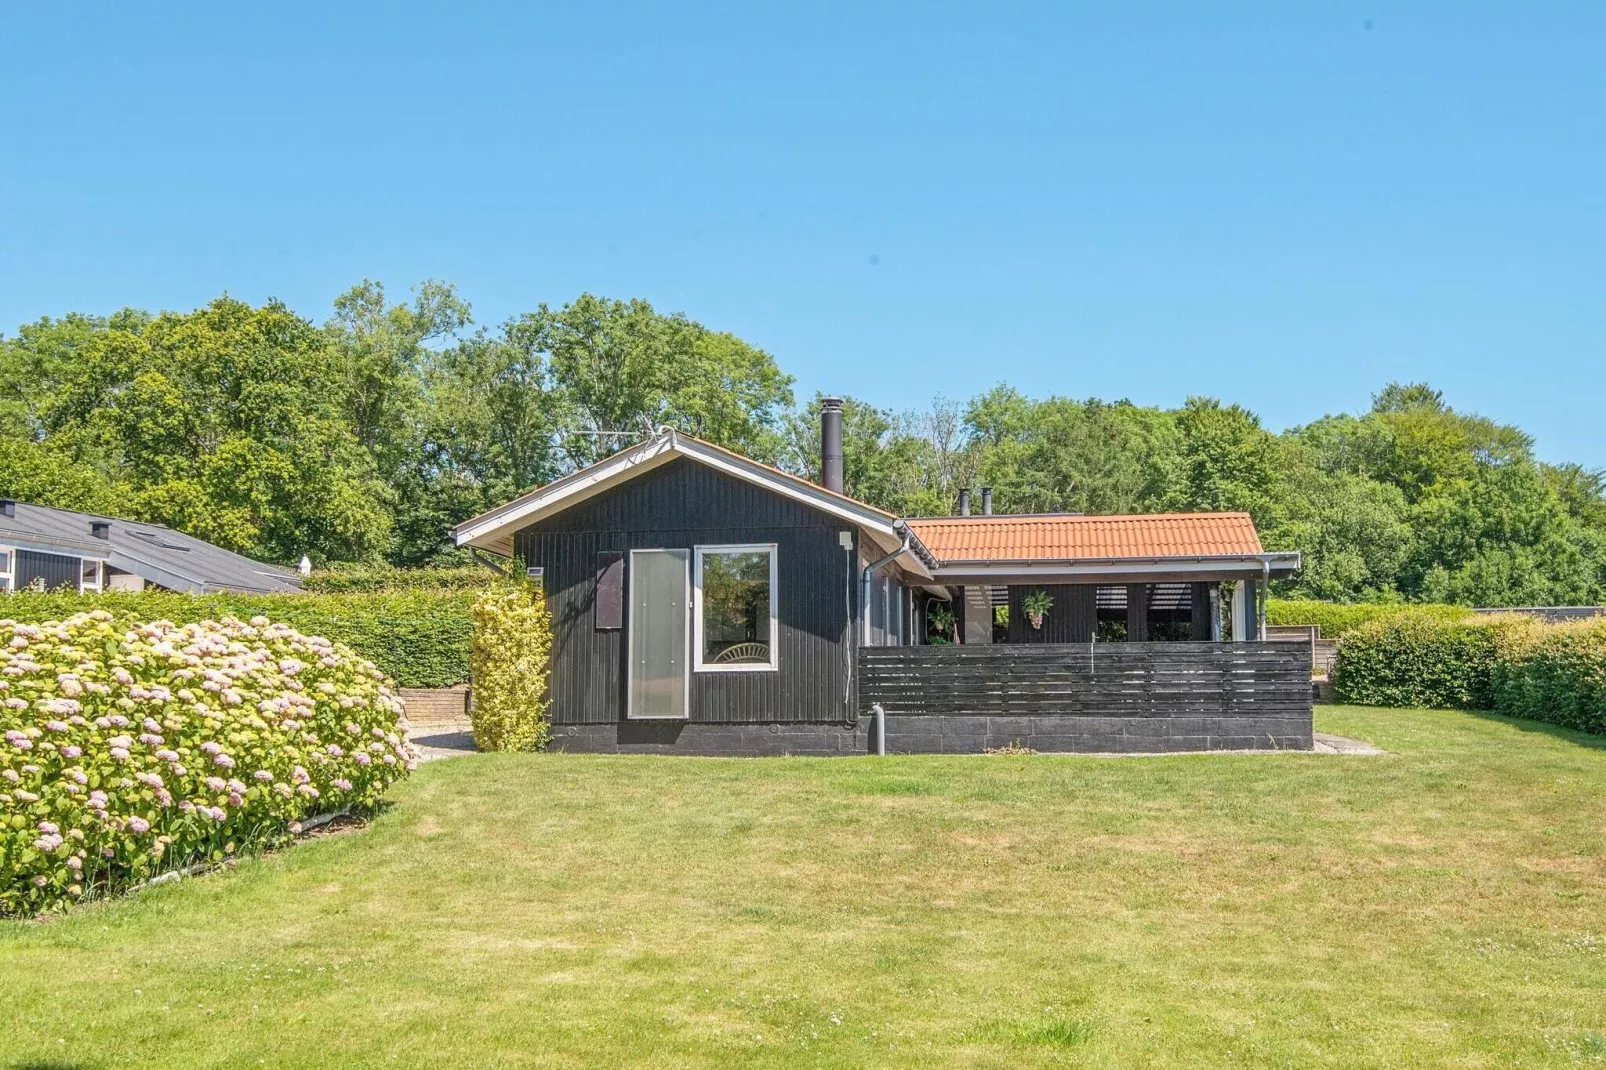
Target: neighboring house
{"points": [[702, 601], [55, 548]]}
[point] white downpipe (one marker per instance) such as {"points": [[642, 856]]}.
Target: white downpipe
{"points": [[864, 585]]}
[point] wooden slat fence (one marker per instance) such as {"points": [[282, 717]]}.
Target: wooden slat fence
{"points": [[1266, 679]]}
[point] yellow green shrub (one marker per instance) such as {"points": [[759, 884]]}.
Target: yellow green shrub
{"points": [[509, 662]]}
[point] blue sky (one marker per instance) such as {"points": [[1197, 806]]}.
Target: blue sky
{"points": [[1283, 205]]}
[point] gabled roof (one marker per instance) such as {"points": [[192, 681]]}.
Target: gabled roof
{"points": [[493, 530], [1068, 536], [154, 551]]}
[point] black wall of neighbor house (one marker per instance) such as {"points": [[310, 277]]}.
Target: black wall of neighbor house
{"points": [[680, 505], [54, 571]]}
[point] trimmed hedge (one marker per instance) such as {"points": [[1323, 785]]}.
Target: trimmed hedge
{"points": [[1513, 665], [1338, 619], [1417, 661], [371, 579], [417, 638], [1555, 673]]}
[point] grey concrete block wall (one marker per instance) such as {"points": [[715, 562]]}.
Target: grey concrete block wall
{"points": [[712, 740], [942, 734], [969, 734]]}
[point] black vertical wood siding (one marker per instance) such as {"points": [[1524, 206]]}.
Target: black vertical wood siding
{"points": [[1072, 619], [1137, 613], [1200, 598], [680, 505]]}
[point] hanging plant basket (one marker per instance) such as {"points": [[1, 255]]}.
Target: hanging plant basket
{"points": [[1037, 604]]}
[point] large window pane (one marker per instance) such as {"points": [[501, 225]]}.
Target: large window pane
{"points": [[658, 633], [736, 607]]}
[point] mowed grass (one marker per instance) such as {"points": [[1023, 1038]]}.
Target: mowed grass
{"points": [[1443, 905]]}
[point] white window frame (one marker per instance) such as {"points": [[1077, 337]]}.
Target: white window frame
{"points": [[100, 574], [6, 577], [698, 552]]}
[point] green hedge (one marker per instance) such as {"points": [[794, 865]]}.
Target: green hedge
{"points": [[369, 579], [1339, 619], [1512, 665], [418, 638], [1410, 660], [1555, 673]]}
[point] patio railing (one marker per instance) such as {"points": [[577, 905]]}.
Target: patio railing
{"points": [[1214, 693]]}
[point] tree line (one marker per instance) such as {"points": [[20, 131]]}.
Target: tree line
{"points": [[366, 437]]}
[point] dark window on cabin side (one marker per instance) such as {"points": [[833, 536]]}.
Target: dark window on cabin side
{"points": [[610, 600]]}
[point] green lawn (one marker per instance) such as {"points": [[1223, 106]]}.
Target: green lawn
{"points": [[1444, 904]]}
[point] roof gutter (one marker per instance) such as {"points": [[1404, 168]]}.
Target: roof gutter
{"points": [[1290, 557], [906, 545], [1091, 570]]}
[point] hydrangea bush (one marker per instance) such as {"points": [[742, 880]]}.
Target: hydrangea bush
{"points": [[131, 751]]}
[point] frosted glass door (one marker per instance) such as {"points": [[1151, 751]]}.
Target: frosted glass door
{"points": [[660, 647]]}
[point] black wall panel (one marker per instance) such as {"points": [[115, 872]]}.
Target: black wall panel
{"points": [[680, 505]]}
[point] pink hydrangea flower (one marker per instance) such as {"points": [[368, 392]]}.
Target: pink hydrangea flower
{"points": [[223, 760], [138, 824]]}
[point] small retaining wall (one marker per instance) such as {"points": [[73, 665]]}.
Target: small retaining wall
{"points": [[716, 740], [436, 706]]}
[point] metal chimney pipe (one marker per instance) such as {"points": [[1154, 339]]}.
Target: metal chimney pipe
{"points": [[831, 444], [964, 501], [986, 501]]}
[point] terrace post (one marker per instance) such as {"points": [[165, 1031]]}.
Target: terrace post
{"points": [[1137, 613]]}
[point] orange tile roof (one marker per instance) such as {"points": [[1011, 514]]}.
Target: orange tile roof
{"points": [[1058, 537]]}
